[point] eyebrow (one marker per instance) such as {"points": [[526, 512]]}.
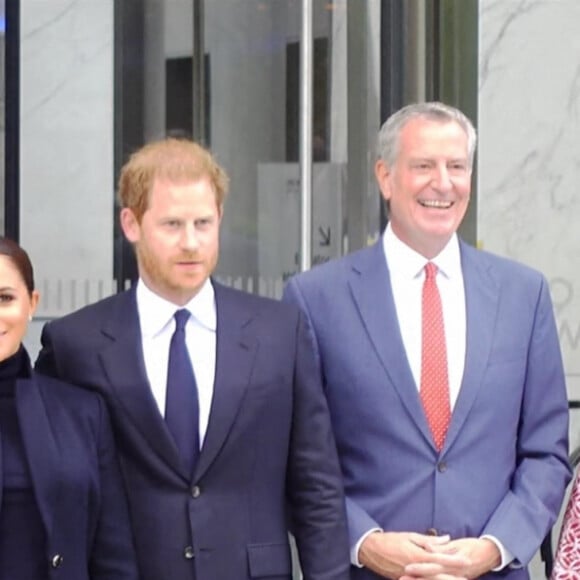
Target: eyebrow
{"points": [[4, 288]]}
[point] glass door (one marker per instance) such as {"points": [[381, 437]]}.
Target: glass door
{"points": [[229, 74]]}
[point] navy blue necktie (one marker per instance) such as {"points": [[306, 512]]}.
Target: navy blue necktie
{"points": [[181, 404]]}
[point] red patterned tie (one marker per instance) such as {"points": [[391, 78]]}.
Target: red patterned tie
{"points": [[434, 377]]}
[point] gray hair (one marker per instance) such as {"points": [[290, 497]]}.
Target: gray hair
{"points": [[389, 135]]}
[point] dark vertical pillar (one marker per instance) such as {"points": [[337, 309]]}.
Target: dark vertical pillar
{"points": [[12, 122], [128, 113], [392, 65], [199, 130], [357, 112], [433, 50]]}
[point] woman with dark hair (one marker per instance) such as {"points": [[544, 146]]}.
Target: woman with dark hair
{"points": [[62, 503]]}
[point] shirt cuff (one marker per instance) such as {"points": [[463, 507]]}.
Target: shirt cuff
{"points": [[505, 555], [355, 549]]}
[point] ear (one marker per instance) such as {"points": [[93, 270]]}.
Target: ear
{"points": [[130, 225], [383, 175], [34, 298], [220, 212]]}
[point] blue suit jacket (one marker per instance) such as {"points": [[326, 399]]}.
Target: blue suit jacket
{"points": [[504, 466], [69, 447], [269, 440]]}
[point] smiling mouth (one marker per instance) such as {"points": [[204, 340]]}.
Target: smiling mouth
{"points": [[436, 203]]}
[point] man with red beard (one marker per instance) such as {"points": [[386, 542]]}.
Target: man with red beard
{"points": [[222, 426], [443, 373]]}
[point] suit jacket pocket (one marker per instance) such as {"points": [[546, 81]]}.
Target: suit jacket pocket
{"points": [[270, 560]]}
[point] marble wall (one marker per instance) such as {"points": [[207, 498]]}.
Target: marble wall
{"points": [[66, 156], [529, 157], [529, 152]]}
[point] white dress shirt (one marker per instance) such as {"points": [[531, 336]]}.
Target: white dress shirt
{"points": [[157, 326], [407, 273]]}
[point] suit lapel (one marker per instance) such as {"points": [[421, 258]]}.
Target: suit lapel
{"points": [[482, 298], [42, 452], [235, 356], [371, 289], [124, 366]]}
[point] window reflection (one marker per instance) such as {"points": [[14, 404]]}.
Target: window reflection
{"points": [[251, 119]]}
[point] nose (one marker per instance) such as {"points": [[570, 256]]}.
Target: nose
{"points": [[441, 179], [189, 239]]}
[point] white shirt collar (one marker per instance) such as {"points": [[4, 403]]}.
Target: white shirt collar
{"points": [[155, 312], [404, 261]]}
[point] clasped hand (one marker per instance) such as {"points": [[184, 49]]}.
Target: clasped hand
{"points": [[412, 556]]}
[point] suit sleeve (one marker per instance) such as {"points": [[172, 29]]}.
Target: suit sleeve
{"points": [[530, 508], [314, 480], [46, 360], [112, 556], [359, 521]]}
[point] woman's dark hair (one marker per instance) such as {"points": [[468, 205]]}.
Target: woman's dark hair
{"points": [[20, 259]]}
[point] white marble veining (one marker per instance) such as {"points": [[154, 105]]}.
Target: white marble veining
{"points": [[66, 156], [529, 151]]}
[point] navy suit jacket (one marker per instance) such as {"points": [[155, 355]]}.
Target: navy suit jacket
{"points": [[269, 443], [504, 468], [75, 475]]}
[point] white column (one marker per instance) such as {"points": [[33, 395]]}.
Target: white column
{"points": [[529, 149], [66, 156]]}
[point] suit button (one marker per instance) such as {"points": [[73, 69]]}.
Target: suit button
{"points": [[432, 532], [56, 560], [195, 492], [442, 467], [188, 553]]}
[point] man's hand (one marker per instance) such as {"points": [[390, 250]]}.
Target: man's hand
{"points": [[481, 554], [390, 553]]}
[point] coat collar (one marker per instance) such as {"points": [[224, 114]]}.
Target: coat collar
{"points": [[42, 452], [122, 360], [370, 285], [235, 357], [482, 296], [124, 367]]}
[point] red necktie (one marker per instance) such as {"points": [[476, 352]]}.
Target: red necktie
{"points": [[434, 376]]}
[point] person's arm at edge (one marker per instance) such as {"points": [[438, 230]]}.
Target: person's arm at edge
{"points": [[112, 552], [360, 524], [46, 363], [530, 508], [314, 481]]}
